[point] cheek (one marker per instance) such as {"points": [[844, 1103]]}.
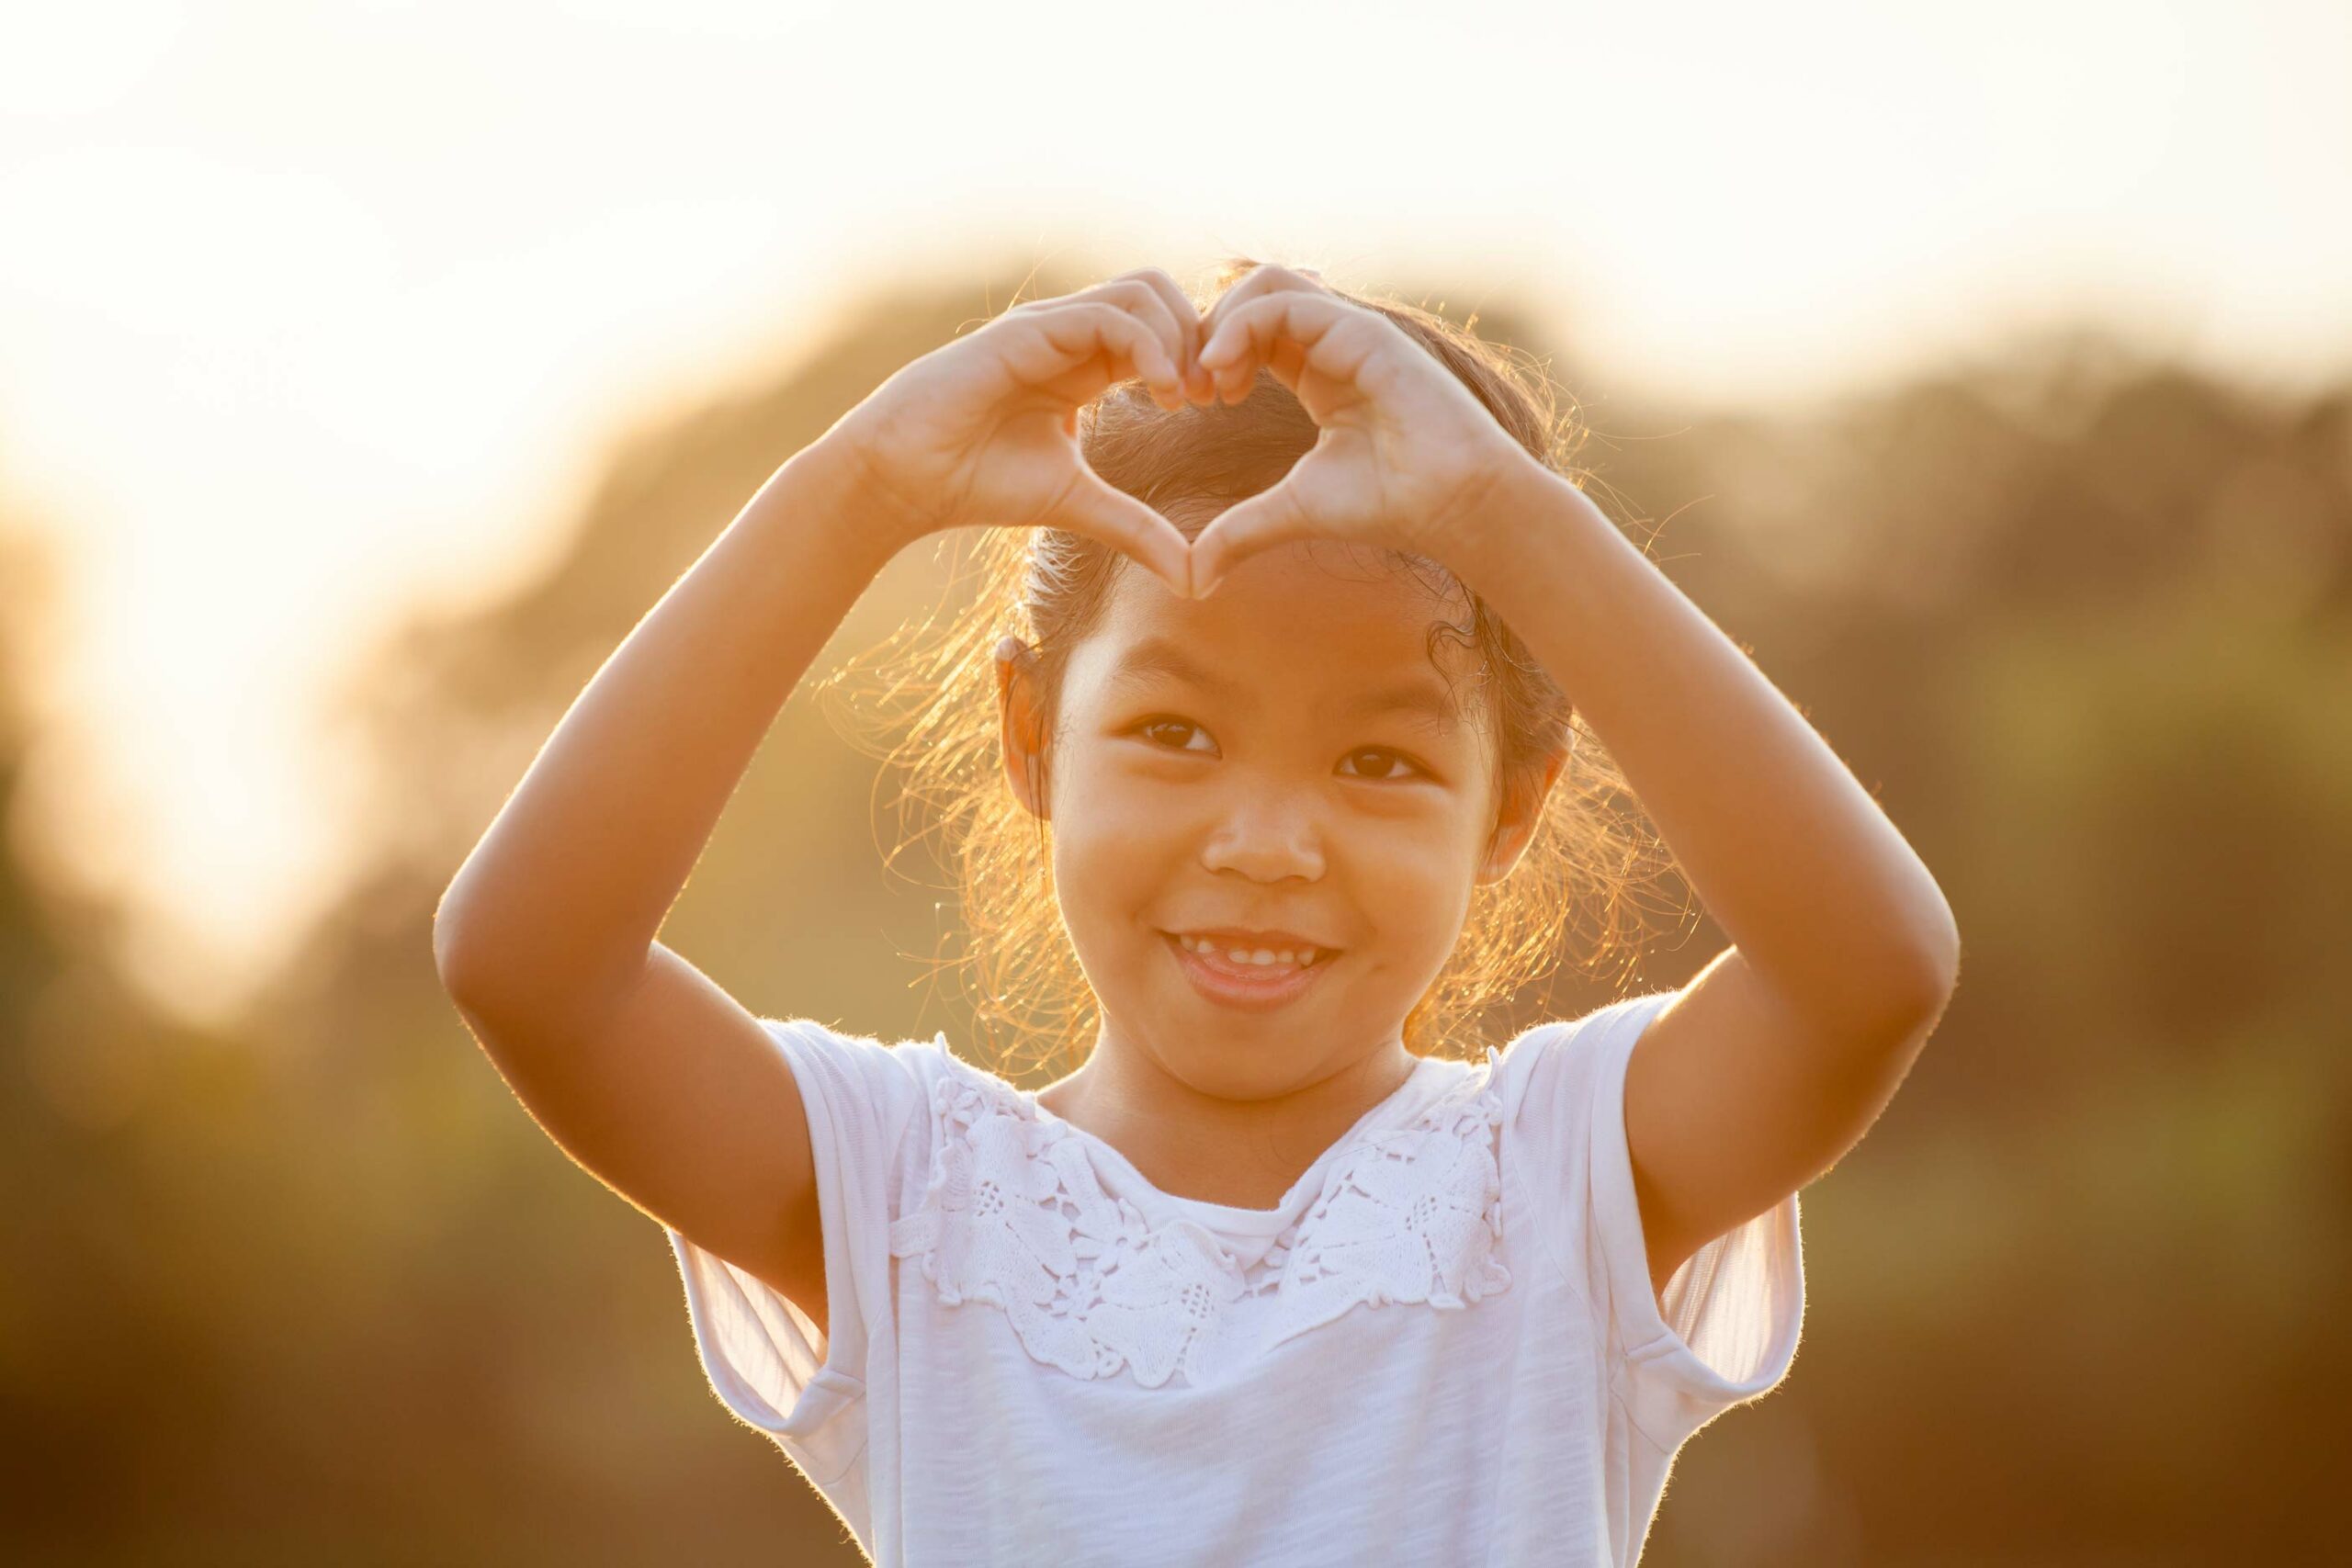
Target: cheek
{"points": [[1108, 840], [1417, 876], [1095, 802]]}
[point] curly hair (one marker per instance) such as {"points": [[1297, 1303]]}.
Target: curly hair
{"points": [[932, 711]]}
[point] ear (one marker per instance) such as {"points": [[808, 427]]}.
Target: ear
{"points": [[1020, 725], [1522, 807]]}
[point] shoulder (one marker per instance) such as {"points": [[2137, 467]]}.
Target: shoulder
{"points": [[1549, 1066], [854, 1070]]}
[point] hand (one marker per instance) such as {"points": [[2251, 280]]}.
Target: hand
{"points": [[984, 430], [1407, 451]]}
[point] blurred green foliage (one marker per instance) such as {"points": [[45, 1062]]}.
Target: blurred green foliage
{"points": [[318, 1290]]}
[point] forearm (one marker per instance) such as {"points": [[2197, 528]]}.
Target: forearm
{"points": [[1787, 851], [559, 902]]}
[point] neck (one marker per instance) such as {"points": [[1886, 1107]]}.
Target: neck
{"points": [[1243, 1153]]}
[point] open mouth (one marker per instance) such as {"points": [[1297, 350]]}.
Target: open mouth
{"points": [[1240, 977], [1244, 960]]}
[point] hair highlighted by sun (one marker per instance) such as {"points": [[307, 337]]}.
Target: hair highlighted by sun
{"points": [[929, 708]]}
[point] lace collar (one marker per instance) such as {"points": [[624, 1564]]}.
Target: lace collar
{"points": [[1017, 1214]]}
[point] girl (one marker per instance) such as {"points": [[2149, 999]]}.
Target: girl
{"points": [[1278, 1273]]}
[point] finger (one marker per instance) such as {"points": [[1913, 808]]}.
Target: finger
{"points": [[1289, 332], [1254, 284], [1084, 347], [1135, 293], [1100, 509], [1244, 529], [1190, 334]]}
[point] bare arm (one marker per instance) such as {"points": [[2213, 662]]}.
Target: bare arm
{"points": [[648, 1075], [643, 1070], [1775, 1061], [1779, 1056]]}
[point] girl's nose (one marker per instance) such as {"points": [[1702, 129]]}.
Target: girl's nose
{"points": [[1266, 841]]}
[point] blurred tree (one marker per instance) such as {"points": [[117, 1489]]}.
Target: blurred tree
{"points": [[322, 1291]]}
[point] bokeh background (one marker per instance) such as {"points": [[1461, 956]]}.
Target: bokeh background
{"points": [[366, 370]]}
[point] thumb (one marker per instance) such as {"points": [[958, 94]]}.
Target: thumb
{"points": [[1100, 509], [1269, 518]]}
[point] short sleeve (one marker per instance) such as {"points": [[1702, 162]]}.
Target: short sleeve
{"points": [[1733, 1310], [764, 1357]]}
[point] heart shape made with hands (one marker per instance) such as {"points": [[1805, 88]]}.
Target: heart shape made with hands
{"points": [[1404, 444]]}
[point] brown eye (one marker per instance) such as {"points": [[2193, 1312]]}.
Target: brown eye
{"points": [[1393, 761], [1148, 725]]}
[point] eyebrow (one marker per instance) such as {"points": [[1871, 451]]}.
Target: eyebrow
{"points": [[1158, 656]]}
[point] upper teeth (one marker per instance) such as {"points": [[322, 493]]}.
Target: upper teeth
{"points": [[1263, 955]]}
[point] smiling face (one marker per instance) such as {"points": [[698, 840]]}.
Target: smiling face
{"points": [[1284, 756]]}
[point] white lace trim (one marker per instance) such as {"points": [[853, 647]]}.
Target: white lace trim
{"points": [[1015, 1215]]}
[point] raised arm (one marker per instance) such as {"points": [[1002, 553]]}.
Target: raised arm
{"points": [[1778, 1055], [647, 1074], [1776, 1059]]}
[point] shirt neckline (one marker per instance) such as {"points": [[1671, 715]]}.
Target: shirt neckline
{"points": [[1430, 1077]]}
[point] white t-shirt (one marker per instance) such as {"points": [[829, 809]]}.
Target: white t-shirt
{"points": [[1441, 1348]]}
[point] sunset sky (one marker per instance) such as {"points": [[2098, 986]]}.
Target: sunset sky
{"points": [[309, 313]]}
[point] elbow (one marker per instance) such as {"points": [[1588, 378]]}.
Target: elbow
{"points": [[1911, 992], [1939, 953], [526, 975], [1900, 981], [476, 946], [1927, 972], [463, 955], [447, 918], [453, 961]]}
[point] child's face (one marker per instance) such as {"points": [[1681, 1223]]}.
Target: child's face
{"points": [[1277, 797]]}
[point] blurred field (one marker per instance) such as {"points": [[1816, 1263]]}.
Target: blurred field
{"points": [[318, 1290]]}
